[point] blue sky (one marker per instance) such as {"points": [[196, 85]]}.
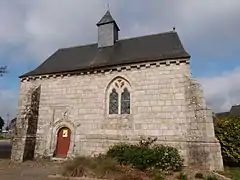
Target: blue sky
{"points": [[31, 30]]}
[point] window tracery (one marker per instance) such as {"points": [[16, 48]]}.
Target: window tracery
{"points": [[119, 97]]}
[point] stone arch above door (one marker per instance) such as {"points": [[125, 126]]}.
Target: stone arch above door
{"points": [[63, 123]]}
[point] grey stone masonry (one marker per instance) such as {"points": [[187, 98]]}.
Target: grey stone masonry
{"points": [[164, 103]]}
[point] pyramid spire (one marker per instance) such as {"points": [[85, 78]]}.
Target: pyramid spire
{"points": [[107, 18]]}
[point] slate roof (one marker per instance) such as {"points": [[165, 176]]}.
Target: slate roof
{"points": [[234, 111], [222, 115], [127, 51]]}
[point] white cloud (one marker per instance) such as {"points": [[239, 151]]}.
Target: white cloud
{"points": [[222, 91], [43, 26], [12, 16]]}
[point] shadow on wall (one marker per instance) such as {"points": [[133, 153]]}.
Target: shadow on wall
{"points": [[30, 141]]}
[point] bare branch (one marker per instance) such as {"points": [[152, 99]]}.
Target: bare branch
{"points": [[3, 69]]}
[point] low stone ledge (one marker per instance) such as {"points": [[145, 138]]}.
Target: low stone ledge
{"points": [[59, 159], [58, 176], [134, 139], [5, 141]]}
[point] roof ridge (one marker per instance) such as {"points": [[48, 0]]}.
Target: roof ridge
{"points": [[147, 35], [77, 46], [222, 112], [235, 105]]}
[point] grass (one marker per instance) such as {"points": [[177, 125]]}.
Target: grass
{"points": [[199, 176], [182, 176], [231, 172], [100, 167], [2, 137], [106, 168], [92, 167], [234, 172], [211, 177]]}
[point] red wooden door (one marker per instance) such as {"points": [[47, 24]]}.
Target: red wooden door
{"points": [[63, 142]]}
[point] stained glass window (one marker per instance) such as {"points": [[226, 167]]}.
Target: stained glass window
{"points": [[113, 102], [125, 102]]}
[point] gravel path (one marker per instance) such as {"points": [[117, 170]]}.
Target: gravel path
{"points": [[30, 170]]}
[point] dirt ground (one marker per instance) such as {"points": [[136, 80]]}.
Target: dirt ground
{"points": [[30, 170], [39, 170]]}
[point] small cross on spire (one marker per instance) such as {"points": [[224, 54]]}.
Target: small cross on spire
{"points": [[108, 8]]}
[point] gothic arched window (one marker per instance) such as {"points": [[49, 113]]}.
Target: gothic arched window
{"points": [[119, 97]]}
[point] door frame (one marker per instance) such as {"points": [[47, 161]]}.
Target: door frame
{"points": [[53, 144]]}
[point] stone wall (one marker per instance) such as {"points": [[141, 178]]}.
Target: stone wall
{"points": [[161, 106], [24, 132], [203, 148]]}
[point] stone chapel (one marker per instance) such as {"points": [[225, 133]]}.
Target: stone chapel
{"points": [[83, 99]]}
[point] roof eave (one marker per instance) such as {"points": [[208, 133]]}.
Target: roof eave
{"points": [[187, 56], [25, 75]]}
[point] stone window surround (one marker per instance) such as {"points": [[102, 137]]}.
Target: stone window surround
{"points": [[109, 90], [119, 90]]}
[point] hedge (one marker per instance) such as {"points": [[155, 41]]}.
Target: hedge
{"points": [[228, 133], [144, 156]]}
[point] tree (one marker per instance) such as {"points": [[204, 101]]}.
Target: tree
{"points": [[1, 123], [7, 128], [3, 69], [227, 131]]}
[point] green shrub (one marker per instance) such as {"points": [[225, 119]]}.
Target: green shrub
{"points": [[142, 156], [199, 176], [227, 131], [182, 176], [2, 137]]}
